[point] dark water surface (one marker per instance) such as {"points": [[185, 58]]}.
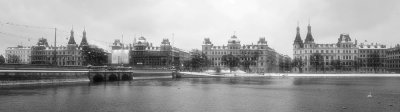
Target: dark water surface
{"points": [[209, 95]]}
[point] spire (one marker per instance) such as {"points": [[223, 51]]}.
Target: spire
{"points": [[309, 37], [355, 41], [298, 39], [84, 40], [71, 38]]}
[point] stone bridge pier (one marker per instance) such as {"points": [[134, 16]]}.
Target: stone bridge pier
{"points": [[99, 76]]}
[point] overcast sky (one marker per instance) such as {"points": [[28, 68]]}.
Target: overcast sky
{"points": [[192, 20]]}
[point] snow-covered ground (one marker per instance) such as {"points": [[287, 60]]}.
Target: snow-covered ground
{"points": [[243, 74]]}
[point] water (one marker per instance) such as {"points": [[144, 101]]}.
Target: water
{"points": [[209, 95]]}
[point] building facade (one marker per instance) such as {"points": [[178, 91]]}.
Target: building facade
{"points": [[144, 55], [266, 58], [69, 55], [18, 55], [393, 59], [39, 54], [372, 58], [334, 57], [119, 53]]}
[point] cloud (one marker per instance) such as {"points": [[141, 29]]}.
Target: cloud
{"points": [[192, 20]]}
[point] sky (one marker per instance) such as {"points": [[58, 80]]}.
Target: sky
{"points": [[187, 22]]}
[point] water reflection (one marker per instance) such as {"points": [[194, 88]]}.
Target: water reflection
{"points": [[208, 94]]}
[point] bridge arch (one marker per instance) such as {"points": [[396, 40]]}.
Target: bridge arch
{"points": [[113, 77], [98, 78]]}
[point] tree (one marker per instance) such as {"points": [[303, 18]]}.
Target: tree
{"points": [[271, 63], [374, 61], [230, 61], [336, 64], [94, 56], [298, 63], [317, 61], [13, 59], [281, 65], [285, 65], [249, 59], [2, 60], [246, 65], [357, 63], [205, 62], [198, 61], [187, 65]]}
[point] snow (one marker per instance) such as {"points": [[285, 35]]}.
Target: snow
{"points": [[243, 74]]}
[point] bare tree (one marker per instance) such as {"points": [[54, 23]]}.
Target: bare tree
{"points": [[298, 63], [374, 61], [2, 59], [317, 61], [230, 61], [337, 64], [357, 63], [249, 59]]}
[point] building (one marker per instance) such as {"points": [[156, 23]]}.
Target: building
{"points": [[119, 53], [393, 59], [69, 55], [39, 54], [144, 55], [372, 58], [334, 57], [265, 58], [18, 55]]}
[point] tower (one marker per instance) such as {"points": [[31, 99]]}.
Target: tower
{"points": [[84, 40], [309, 37], [71, 38], [298, 42], [165, 45], [234, 43], [206, 44]]}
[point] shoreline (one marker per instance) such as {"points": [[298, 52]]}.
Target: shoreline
{"points": [[227, 75], [35, 82]]}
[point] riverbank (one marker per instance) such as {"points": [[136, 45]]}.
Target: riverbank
{"points": [[204, 75], [33, 82]]}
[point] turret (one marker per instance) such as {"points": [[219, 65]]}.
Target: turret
{"points": [[165, 45], [309, 37], [206, 44], [71, 38], [298, 42], [262, 41], [84, 40]]}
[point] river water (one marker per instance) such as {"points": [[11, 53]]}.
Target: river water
{"points": [[291, 94]]}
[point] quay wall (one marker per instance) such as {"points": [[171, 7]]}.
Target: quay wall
{"points": [[27, 77]]}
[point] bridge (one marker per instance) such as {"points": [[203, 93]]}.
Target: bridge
{"points": [[99, 76], [104, 73], [94, 74]]}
